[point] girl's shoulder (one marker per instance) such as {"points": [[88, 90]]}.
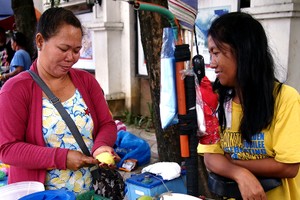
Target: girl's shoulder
{"points": [[288, 91], [287, 95]]}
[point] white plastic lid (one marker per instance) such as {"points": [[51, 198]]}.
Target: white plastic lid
{"points": [[17, 190]]}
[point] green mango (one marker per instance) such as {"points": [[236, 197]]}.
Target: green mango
{"points": [[145, 197]]}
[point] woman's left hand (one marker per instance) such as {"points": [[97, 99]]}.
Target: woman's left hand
{"points": [[109, 150]]}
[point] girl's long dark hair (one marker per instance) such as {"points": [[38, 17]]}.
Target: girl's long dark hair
{"points": [[255, 71]]}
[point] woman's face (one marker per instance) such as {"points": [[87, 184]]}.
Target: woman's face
{"points": [[59, 53], [224, 63]]}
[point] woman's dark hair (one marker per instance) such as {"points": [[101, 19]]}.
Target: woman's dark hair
{"points": [[255, 71], [20, 39], [52, 19]]}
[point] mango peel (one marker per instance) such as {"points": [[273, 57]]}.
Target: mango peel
{"points": [[106, 158]]}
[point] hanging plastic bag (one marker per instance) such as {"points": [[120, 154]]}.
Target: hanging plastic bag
{"points": [[206, 108], [168, 101], [130, 146]]}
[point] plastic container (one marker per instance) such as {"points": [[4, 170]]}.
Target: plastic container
{"points": [[177, 196], [152, 185], [17, 190], [50, 195]]}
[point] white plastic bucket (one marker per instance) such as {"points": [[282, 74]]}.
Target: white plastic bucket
{"points": [[178, 196], [20, 189]]}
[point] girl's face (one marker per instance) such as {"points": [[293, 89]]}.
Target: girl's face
{"points": [[224, 63], [13, 44], [58, 54]]}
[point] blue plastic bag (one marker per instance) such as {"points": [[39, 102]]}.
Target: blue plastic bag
{"points": [[130, 146]]}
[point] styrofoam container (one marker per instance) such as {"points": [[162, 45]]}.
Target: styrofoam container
{"points": [[17, 190], [177, 196]]}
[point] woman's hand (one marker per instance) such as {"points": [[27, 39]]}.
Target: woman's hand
{"points": [[77, 160], [109, 150], [249, 186]]}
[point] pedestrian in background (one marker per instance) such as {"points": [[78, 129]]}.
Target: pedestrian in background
{"points": [[6, 52], [21, 60]]}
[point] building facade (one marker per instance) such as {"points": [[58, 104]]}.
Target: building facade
{"points": [[110, 46]]}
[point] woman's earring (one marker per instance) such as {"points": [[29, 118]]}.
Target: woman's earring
{"points": [[38, 48]]}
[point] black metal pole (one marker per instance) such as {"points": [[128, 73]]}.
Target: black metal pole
{"points": [[192, 161]]}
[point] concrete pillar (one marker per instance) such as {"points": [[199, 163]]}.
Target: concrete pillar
{"points": [[107, 29], [281, 20], [114, 47], [113, 41]]}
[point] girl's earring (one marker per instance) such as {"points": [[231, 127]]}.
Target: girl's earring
{"points": [[38, 48]]}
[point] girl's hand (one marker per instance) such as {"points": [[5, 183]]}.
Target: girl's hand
{"points": [[250, 187]]}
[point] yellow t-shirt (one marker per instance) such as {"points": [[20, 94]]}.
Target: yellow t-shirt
{"points": [[281, 141]]}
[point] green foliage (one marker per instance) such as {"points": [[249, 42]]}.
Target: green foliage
{"points": [[139, 121]]}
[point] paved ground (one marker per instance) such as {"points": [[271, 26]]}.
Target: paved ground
{"points": [[151, 139]]}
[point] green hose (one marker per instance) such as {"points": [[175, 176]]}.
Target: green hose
{"points": [[161, 10]]}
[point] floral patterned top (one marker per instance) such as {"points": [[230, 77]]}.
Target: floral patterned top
{"points": [[57, 134]]}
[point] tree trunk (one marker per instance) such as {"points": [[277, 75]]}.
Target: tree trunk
{"points": [[152, 25], [25, 20], [168, 143]]}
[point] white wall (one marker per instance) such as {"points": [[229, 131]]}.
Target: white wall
{"points": [[281, 20]]}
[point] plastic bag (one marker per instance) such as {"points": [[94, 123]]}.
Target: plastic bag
{"points": [[168, 100], [130, 146], [206, 107]]}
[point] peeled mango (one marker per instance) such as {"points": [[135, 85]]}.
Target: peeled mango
{"points": [[106, 158]]}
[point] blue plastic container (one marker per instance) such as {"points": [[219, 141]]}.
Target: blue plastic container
{"points": [[152, 185]]}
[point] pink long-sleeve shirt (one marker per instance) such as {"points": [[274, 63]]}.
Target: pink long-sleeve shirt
{"points": [[22, 145]]}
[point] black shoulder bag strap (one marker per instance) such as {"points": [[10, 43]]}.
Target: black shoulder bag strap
{"points": [[62, 111]]}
